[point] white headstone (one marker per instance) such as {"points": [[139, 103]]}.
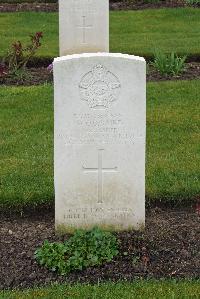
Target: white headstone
{"points": [[100, 103], [83, 26]]}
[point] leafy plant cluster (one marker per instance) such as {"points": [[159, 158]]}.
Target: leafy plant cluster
{"points": [[83, 249], [18, 55], [169, 64], [192, 2]]}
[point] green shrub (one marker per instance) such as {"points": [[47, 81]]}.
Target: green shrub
{"points": [[192, 2], [83, 249], [169, 64]]}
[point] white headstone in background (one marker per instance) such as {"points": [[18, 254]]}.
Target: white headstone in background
{"points": [[83, 26], [100, 115]]}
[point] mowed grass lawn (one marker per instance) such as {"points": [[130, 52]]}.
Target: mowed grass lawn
{"points": [[133, 32], [137, 289], [172, 171]]}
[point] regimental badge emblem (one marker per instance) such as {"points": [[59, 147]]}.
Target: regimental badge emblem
{"points": [[99, 87]]}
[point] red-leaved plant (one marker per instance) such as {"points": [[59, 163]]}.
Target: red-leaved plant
{"points": [[19, 55]]}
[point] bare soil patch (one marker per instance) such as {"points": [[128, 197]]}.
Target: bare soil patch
{"points": [[41, 75], [169, 247], [15, 7], [122, 5], [116, 5], [35, 76]]}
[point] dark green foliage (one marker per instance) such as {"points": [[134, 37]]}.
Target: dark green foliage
{"points": [[169, 64], [83, 249], [192, 2]]}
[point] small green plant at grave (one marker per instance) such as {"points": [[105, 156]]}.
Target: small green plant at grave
{"points": [[169, 64], [83, 249], [17, 57]]}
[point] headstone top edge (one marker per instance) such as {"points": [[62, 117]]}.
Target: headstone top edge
{"points": [[100, 54]]}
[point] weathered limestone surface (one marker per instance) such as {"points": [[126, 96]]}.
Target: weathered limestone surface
{"points": [[83, 26], [100, 124]]}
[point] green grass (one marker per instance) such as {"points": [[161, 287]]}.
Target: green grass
{"points": [[173, 153], [142, 31], [167, 29], [138, 289], [27, 145], [26, 159], [25, 23]]}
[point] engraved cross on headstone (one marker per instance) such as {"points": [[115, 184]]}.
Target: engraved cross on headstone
{"points": [[84, 27], [100, 170]]}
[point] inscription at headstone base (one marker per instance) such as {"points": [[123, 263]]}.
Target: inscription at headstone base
{"points": [[83, 26], [100, 115]]}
